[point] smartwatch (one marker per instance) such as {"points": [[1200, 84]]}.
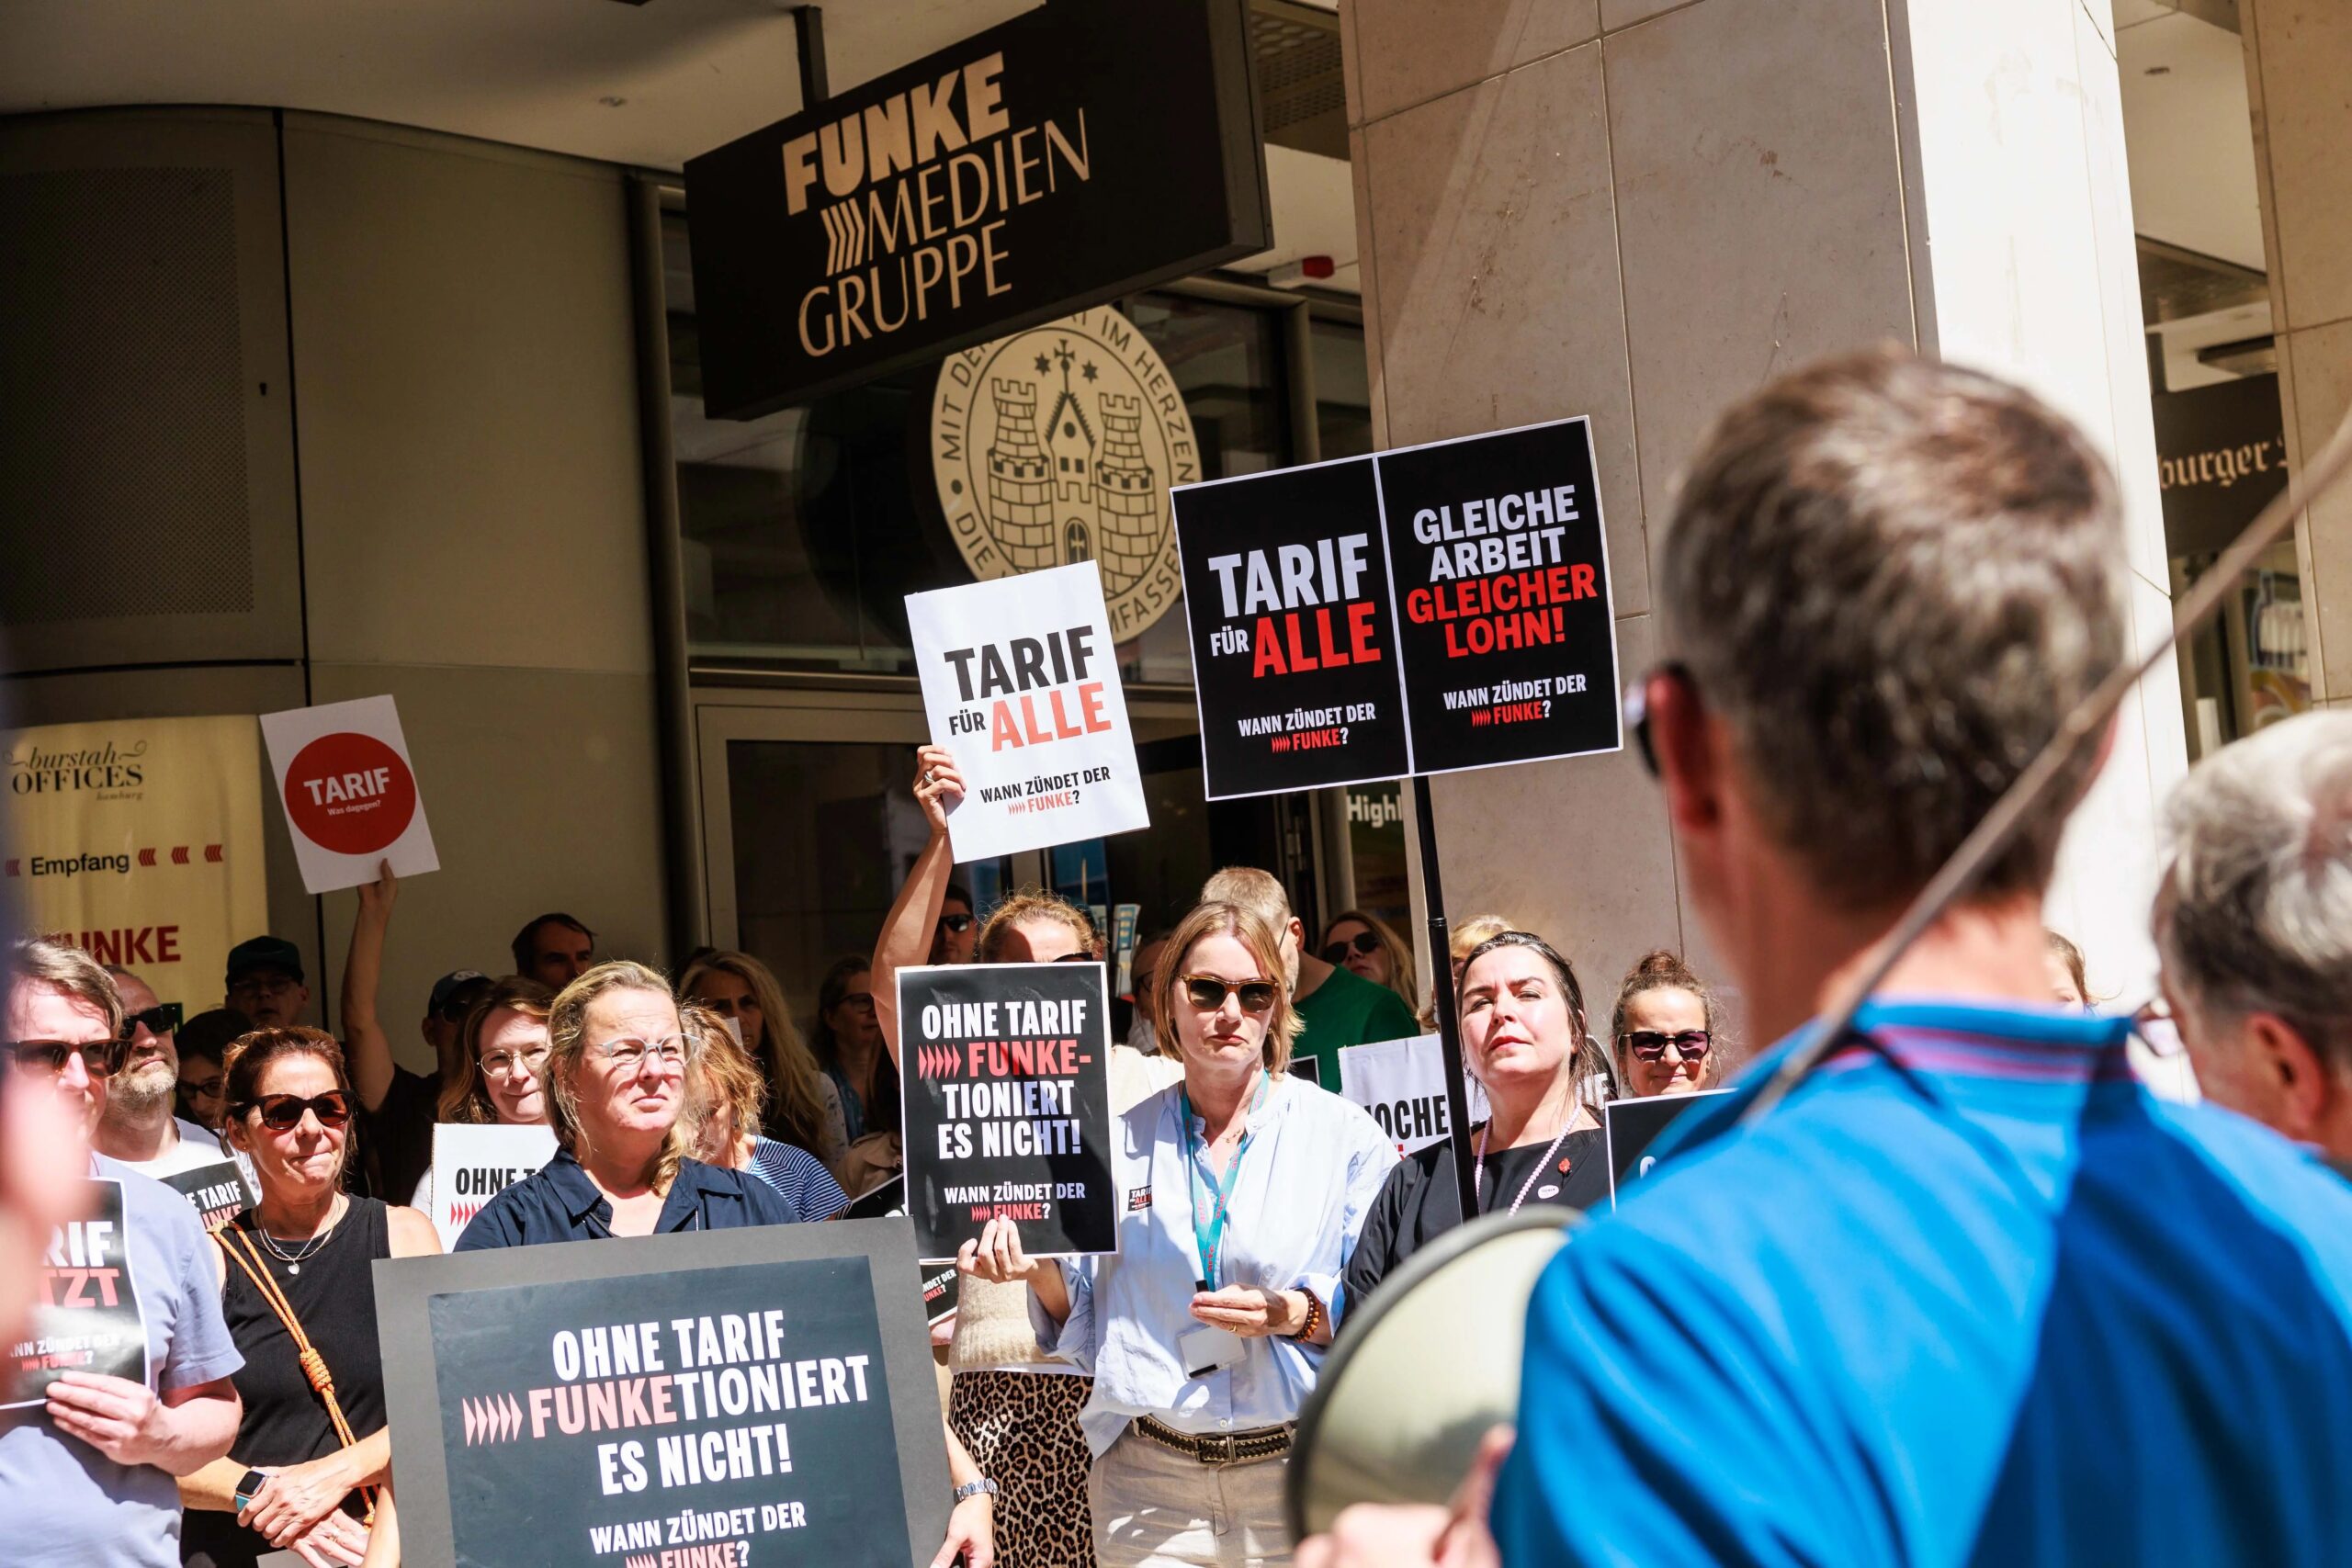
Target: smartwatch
{"points": [[249, 1488]]}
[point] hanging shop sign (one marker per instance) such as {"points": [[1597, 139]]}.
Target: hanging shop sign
{"points": [[1020, 682], [1058, 445], [1419, 610], [349, 792], [140, 840], [2221, 455], [760, 1396], [1060, 160]]}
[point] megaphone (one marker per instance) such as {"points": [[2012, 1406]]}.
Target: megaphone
{"points": [[1379, 1428]]}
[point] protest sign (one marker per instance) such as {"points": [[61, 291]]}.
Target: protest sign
{"points": [[349, 792], [217, 1191], [472, 1165], [1418, 611], [1294, 639], [1007, 1101], [86, 1308], [942, 1286], [760, 1396], [1630, 1126], [1021, 684], [1402, 1084]]}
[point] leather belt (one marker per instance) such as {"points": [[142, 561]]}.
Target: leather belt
{"points": [[1219, 1447]]}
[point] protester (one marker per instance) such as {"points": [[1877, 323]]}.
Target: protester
{"points": [[1336, 1009], [1664, 1029], [265, 982], [2069, 980], [44, 1149], [1461, 942], [555, 949], [725, 1094], [201, 1044], [804, 1105], [1204, 1338], [88, 1475], [616, 1083], [400, 1106], [2254, 926], [139, 1128], [849, 1045], [1524, 1038], [957, 928], [295, 1274], [500, 1076], [1365, 946], [1959, 1296], [1142, 965]]}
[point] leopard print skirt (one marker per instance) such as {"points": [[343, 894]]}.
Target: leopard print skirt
{"points": [[1022, 1429]]}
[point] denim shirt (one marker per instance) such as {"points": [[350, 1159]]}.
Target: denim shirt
{"points": [[561, 1203]]}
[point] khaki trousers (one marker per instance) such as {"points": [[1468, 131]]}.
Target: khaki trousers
{"points": [[1156, 1508]]}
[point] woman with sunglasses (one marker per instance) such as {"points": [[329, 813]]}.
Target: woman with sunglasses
{"points": [[302, 1471], [1365, 945], [1664, 1029], [957, 930], [1524, 1038], [1247, 1190]]}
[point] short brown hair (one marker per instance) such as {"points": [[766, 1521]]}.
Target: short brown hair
{"points": [[44, 961], [247, 1057], [1244, 924], [1893, 579], [1659, 970]]}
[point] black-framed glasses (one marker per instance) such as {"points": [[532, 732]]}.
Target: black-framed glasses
{"points": [[1650, 1044], [283, 1112], [47, 1058], [1208, 992], [161, 1019], [1366, 942], [1637, 709], [959, 924]]}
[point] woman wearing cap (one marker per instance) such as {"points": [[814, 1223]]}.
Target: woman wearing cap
{"points": [[1524, 1038], [1248, 1189], [1664, 1029], [804, 1104]]}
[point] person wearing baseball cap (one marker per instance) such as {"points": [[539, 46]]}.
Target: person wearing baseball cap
{"points": [[265, 982]]}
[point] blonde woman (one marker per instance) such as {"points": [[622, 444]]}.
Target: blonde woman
{"points": [[724, 1095], [1207, 1331], [1367, 946], [804, 1108]]}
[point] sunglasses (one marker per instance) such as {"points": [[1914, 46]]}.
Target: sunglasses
{"points": [[1650, 1045], [161, 1019], [47, 1058], [1207, 993], [283, 1112], [1365, 943], [959, 924]]}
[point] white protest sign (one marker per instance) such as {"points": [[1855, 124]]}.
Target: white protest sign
{"points": [[349, 793], [472, 1165], [1402, 1083], [1021, 684]]}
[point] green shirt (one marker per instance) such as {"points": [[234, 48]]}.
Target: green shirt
{"points": [[1348, 1009]]}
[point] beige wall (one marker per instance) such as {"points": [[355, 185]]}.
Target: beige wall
{"points": [[1642, 212], [473, 531]]}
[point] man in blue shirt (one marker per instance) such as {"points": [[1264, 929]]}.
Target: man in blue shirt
{"points": [[1968, 1295]]}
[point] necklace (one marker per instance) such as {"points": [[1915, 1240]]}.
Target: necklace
{"points": [[308, 1249], [1478, 1171]]}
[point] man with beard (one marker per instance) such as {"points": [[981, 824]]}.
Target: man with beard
{"points": [[139, 1127]]}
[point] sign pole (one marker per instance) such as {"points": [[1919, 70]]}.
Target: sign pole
{"points": [[1449, 1020]]}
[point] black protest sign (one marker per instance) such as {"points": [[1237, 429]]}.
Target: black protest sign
{"points": [[760, 1395], [1294, 641], [1007, 1098], [85, 1306], [1501, 575], [1630, 1126], [216, 1192], [942, 1286]]}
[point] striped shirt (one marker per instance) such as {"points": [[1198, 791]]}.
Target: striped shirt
{"points": [[799, 1175]]}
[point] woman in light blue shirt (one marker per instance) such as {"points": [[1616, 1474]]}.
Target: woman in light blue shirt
{"points": [[1242, 1190]]}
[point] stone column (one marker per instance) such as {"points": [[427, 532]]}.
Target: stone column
{"points": [[2298, 61], [1642, 210]]}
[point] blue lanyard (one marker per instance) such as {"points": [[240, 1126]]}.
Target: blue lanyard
{"points": [[1209, 1240]]}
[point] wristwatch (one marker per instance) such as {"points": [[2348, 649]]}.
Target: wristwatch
{"points": [[249, 1488], [983, 1487]]}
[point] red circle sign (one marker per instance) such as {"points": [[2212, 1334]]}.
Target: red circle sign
{"points": [[350, 793]]}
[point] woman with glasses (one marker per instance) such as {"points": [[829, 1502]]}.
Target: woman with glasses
{"points": [[804, 1104], [1365, 945], [297, 1270], [499, 1076], [1664, 1029], [1524, 1038], [1247, 1189]]}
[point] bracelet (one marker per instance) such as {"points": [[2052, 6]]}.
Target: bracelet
{"points": [[1314, 1316], [983, 1487]]}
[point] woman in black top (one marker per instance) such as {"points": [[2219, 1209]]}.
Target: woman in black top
{"points": [[292, 1480], [1523, 1037]]}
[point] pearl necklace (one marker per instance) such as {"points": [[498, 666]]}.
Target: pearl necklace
{"points": [[308, 1249]]}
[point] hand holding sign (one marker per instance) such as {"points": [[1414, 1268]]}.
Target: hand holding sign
{"points": [[121, 1420], [939, 787]]}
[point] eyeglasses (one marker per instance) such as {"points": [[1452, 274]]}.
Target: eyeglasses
{"points": [[1637, 710], [1650, 1045], [47, 1058], [959, 924], [630, 1056], [1366, 942], [161, 1019], [283, 1112], [505, 1064], [1207, 993], [862, 1000]]}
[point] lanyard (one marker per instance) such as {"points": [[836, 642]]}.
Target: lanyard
{"points": [[1209, 1240]]}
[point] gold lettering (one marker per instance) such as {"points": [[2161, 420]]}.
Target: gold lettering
{"points": [[935, 116], [852, 305], [956, 168], [884, 323], [799, 171], [1023, 192], [1077, 158], [844, 149], [984, 96], [929, 198], [892, 219], [989, 256], [889, 147], [808, 344]]}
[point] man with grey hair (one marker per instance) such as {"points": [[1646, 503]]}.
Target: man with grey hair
{"points": [[2253, 925], [1968, 1293]]}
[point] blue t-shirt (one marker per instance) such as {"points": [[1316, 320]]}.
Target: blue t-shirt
{"points": [[61, 1500], [559, 1202], [1968, 1296], [800, 1176]]}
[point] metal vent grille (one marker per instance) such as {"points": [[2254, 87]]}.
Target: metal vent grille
{"points": [[1302, 90], [122, 430]]}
